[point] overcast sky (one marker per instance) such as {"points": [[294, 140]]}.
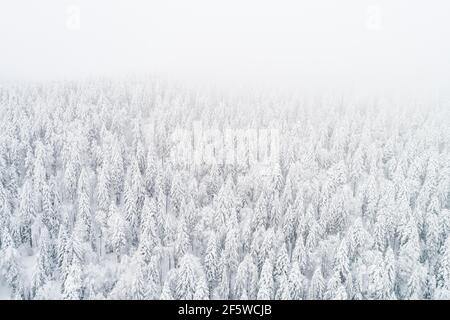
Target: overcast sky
{"points": [[372, 43]]}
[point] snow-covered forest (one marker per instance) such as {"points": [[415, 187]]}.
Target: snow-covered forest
{"points": [[92, 205]]}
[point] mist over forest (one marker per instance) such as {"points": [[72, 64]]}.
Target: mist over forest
{"points": [[209, 150]]}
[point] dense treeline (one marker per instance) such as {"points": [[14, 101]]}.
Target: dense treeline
{"points": [[92, 207]]}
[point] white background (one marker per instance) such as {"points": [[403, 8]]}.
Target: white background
{"points": [[321, 42]]}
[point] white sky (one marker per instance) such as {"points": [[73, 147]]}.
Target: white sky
{"points": [[316, 42]]}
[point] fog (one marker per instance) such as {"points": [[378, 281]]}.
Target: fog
{"points": [[393, 44]]}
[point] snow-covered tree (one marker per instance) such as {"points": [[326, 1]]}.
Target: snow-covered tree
{"points": [[266, 282]]}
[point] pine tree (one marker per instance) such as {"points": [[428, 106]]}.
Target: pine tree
{"points": [[282, 262], [118, 231], [186, 279], [223, 288], [342, 263], [335, 290], [317, 286], [314, 235], [211, 260], [26, 213], [166, 293], [139, 285], [409, 255], [116, 167], [61, 245], [130, 206], [102, 191], [444, 270], [150, 221], [266, 282], [49, 216], [241, 280], [183, 242], [11, 270], [283, 291], [296, 282], [261, 212], [84, 205], [73, 285], [44, 265], [390, 272], [432, 235], [201, 289], [231, 253], [416, 283], [275, 211], [177, 192], [252, 278], [299, 254], [289, 224]]}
